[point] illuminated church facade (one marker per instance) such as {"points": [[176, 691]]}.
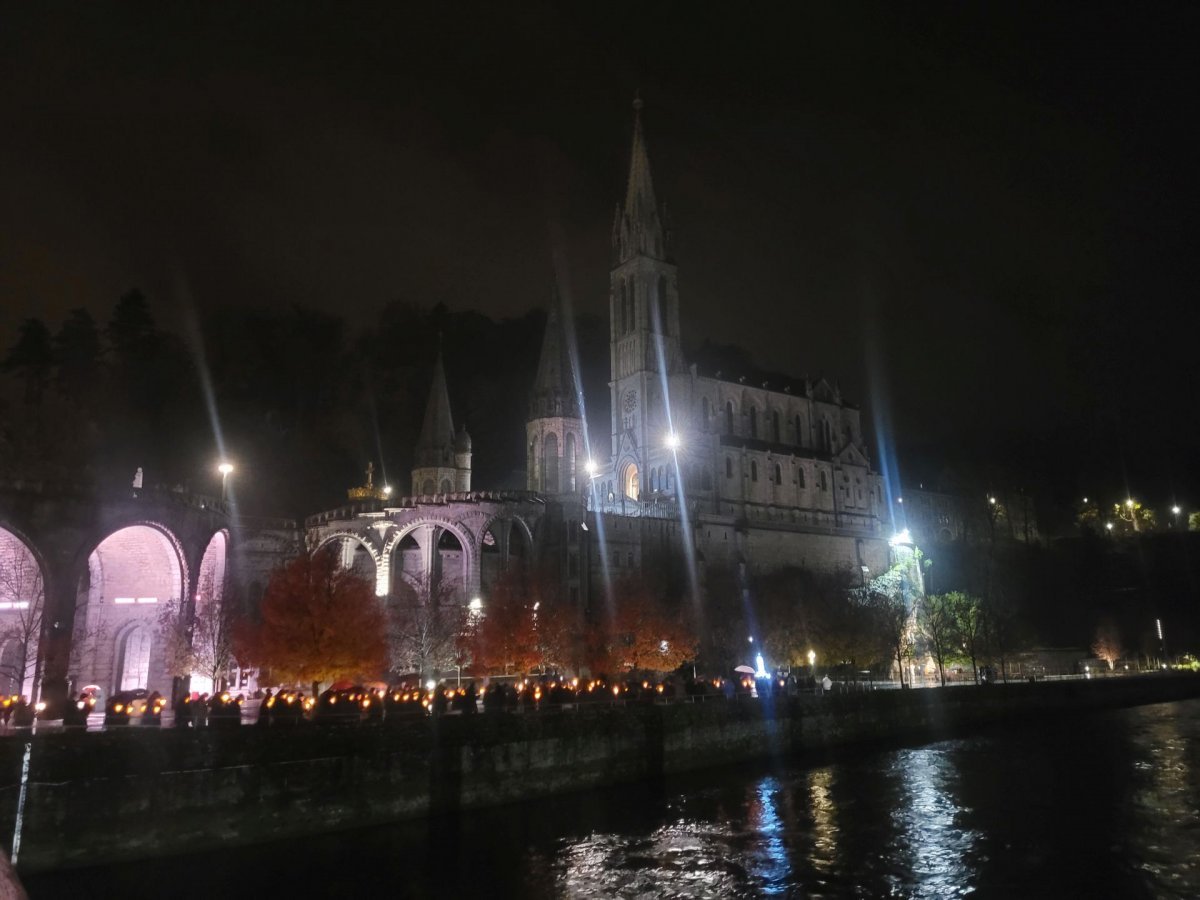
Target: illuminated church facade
{"points": [[747, 474], [762, 474]]}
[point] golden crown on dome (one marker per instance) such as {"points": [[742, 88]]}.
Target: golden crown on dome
{"points": [[369, 491]]}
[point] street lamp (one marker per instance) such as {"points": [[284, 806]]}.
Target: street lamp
{"points": [[225, 469], [1175, 511], [812, 658]]}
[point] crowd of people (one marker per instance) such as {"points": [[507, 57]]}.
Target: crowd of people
{"points": [[344, 704]]}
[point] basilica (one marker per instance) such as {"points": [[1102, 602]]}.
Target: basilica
{"points": [[713, 469]]}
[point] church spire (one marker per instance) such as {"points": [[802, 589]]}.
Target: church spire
{"points": [[442, 459], [555, 392], [435, 447], [638, 228]]}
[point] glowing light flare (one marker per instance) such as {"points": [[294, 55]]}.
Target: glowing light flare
{"points": [[901, 538], [673, 441], [225, 468], [760, 670]]}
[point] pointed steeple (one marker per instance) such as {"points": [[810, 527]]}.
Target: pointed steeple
{"points": [[638, 227], [555, 392], [435, 447]]}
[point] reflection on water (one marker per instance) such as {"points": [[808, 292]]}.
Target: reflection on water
{"points": [[930, 833], [823, 846], [1100, 805], [1165, 841]]}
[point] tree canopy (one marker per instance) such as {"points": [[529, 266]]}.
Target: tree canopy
{"points": [[318, 623]]}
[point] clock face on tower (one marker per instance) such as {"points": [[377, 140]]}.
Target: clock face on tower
{"points": [[631, 401]]}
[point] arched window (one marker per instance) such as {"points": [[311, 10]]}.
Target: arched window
{"points": [[753, 470], [799, 431], [729, 417], [728, 467], [550, 464], [824, 481], [653, 480], [135, 660], [623, 319], [800, 475], [778, 474], [427, 487], [446, 486], [826, 436], [571, 461], [775, 425], [753, 421]]}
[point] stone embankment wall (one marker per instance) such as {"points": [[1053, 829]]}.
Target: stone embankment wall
{"points": [[140, 793]]}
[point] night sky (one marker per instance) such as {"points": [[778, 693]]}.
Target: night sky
{"points": [[983, 222]]}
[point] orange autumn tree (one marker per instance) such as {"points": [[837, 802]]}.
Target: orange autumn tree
{"points": [[649, 633], [503, 639], [318, 623]]}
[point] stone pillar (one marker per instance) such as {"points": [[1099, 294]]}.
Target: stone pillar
{"points": [[383, 574], [54, 648]]}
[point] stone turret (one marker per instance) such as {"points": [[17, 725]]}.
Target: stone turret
{"points": [[442, 458], [554, 430]]}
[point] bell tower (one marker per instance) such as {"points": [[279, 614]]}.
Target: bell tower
{"points": [[554, 430], [644, 341]]}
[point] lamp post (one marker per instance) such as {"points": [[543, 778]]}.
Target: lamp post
{"points": [[225, 469], [1175, 511]]}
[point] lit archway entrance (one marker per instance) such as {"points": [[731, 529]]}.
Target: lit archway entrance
{"points": [[22, 605], [211, 622], [133, 591], [631, 482]]}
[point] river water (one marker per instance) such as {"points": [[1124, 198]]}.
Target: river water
{"points": [[1098, 805]]}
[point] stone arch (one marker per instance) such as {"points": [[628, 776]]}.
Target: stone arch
{"points": [[419, 562], [355, 553], [22, 606], [207, 600], [136, 576], [451, 567], [504, 541], [406, 562]]}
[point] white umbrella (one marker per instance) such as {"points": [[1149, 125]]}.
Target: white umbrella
{"points": [[745, 670]]}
